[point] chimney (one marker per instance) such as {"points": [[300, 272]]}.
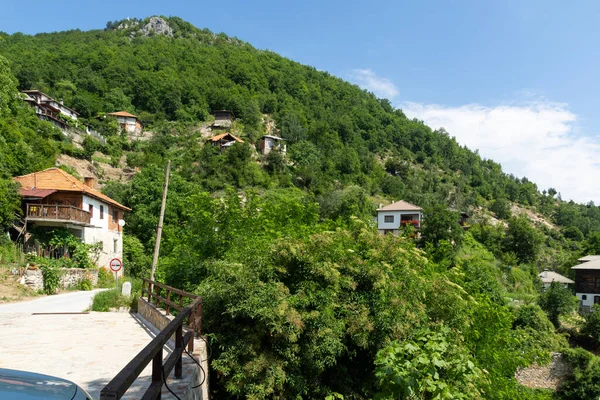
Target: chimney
{"points": [[89, 181]]}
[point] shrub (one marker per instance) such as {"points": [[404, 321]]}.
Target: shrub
{"points": [[51, 275], [583, 381], [108, 299], [557, 301], [105, 278], [84, 284]]}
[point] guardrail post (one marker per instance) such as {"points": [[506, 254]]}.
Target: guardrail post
{"points": [[157, 365], [179, 346], [168, 309], [192, 327]]}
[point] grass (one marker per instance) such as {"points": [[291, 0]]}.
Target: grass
{"points": [[109, 299]]}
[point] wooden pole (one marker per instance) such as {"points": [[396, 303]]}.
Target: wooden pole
{"points": [[160, 222]]}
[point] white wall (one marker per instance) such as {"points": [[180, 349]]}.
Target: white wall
{"points": [[99, 232], [381, 224], [589, 301]]}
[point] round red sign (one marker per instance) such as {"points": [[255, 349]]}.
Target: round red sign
{"points": [[115, 264]]}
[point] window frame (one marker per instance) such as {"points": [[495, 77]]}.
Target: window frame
{"points": [[386, 219]]}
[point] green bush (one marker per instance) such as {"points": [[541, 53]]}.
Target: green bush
{"points": [[105, 278], [108, 299], [84, 284], [51, 274], [584, 381]]}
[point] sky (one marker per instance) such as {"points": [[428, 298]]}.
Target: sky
{"points": [[517, 80]]}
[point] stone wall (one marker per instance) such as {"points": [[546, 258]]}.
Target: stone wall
{"points": [[69, 277]]}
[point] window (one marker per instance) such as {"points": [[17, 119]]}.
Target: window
{"points": [[115, 245], [584, 297], [91, 208], [101, 212], [388, 219], [597, 283], [596, 299], [115, 214]]}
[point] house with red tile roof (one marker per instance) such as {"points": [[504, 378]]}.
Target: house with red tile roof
{"points": [[128, 122], [54, 199]]}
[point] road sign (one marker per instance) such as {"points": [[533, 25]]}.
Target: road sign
{"points": [[115, 264]]}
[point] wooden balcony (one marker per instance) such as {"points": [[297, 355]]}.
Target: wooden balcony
{"points": [[58, 213]]}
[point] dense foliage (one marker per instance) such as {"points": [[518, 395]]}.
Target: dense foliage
{"points": [[302, 298]]}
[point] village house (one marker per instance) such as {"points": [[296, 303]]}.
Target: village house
{"points": [[587, 281], [395, 216], [547, 277], [54, 199], [225, 140], [127, 122], [223, 119], [48, 109], [270, 142]]}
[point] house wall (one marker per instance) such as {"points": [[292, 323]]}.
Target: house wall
{"points": [[382, 225], [586, 281], [588, 302], [105, 231], [129, 124]]}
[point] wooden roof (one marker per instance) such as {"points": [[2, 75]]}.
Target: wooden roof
{"points": [[400, 205], [223, 136], [58, 180]]}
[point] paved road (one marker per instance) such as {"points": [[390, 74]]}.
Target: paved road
{"points": [[88, 349], [67, 302]]}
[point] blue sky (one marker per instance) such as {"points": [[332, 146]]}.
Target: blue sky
{"points": [[517, 80]]}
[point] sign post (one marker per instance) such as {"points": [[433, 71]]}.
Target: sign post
{"points": [[116, 265]]}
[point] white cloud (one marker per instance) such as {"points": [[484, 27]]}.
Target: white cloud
{"points": [[535, 140], [367, 79]]}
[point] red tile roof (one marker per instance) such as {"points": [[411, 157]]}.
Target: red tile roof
{"points": [[122, 114], [58, 180]]}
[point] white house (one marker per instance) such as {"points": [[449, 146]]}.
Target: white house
{"points": [[270, 142], [587, 281], [547, 277], [128, 122], [393, 217], [54, 199]]}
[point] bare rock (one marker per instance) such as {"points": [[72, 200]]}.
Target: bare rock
{"points": [[157, 26]]}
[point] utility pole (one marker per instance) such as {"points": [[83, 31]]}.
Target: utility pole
{"points": [[160, 223]]}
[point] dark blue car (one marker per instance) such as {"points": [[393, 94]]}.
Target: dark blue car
{"points": [[22, 385]]}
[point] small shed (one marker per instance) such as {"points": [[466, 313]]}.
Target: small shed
{"points": [[270, 142], [223, 118]]}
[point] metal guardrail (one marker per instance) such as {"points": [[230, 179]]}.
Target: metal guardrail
{"points": [[119, 385]]}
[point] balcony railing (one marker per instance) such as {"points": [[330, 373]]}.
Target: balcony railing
{"points": [[57, 212], [413, 222]]}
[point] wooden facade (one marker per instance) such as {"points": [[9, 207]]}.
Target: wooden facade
{"points": [[587, 281]]}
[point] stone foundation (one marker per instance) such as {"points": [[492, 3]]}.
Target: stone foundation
{"points": [[69, 277]]}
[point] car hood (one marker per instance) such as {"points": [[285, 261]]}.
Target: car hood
{"points": [[22, 385]]}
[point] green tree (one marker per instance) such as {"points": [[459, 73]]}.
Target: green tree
{"points": [[557, 301], [439, 224], [522, 239]]}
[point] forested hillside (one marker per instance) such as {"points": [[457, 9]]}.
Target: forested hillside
{"points": [[303, 299]]}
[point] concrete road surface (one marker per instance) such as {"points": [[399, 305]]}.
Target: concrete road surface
{"points": [[88, 349], [67, 302]]}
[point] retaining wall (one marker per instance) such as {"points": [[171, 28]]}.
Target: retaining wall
{"points": [[69, 277]]}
